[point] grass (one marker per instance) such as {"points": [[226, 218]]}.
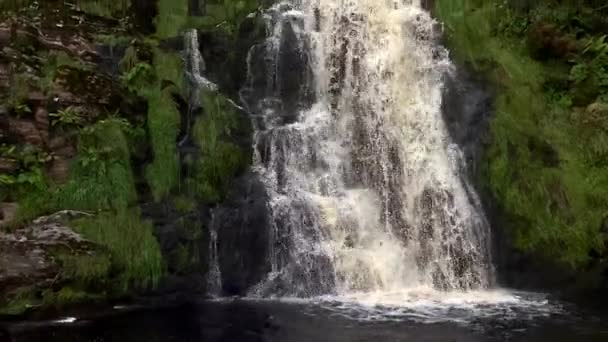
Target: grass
{"points": [[137, 262], [536, 165]]}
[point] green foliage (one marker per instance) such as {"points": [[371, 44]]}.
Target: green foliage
{"points": [[544, 164], [55, 62], [66, 118], [105, 8], [172, 17], [101, 177], [163, 125], [85, 270], [136, 258], [29, 177], [18, 303], [227, 15], [170, 67], [138, 77], [184, 204], [220, 160], [186, 258], [67, 295], [18, 94], [113, 40]]}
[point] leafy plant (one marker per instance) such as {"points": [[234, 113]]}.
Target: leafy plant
{"points": [[137, 77], [65, 118]]}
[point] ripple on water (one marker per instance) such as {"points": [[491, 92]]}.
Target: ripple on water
{"points": [[425, 305]]}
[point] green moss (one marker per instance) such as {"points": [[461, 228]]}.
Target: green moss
{"points": [[113, 40], [186, 258], [68, 295], [170, 67], [172, 17], [220, 160], [18, 302], [105, 8], [163, 125], [538, 165], [226, 15], [184, 204], [54, 62], [136, 258]]}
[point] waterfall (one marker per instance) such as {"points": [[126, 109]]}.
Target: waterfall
{"points": [[214, 274], [367, 190]]}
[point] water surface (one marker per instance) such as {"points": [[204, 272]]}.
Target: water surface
{"points": [[491, 316]]}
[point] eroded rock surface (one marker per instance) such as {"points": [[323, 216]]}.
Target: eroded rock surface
{"points": [[27, 254]]}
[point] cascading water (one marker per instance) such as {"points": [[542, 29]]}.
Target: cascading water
{"points": [[366, 189]]}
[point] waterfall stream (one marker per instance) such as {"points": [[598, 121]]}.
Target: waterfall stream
{"points": [[367, 190]]}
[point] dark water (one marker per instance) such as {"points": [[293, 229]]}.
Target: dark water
{"points": [[245, 321]]}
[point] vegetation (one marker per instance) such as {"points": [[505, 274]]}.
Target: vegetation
{"points": [[172, 17], [220, 160], [110, 149], [546, 163], [135, 255], [105, 8]]}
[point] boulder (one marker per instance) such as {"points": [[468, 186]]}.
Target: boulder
{"points": [[27, 258], [25, 131], [8, 165], [7, 212], [59, 170]]}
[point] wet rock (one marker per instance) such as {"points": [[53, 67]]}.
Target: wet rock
{"points": [[547, 41], [59, 170], [467, 109], [41, 118], [8, 165], [243, 235], [597, 110], [27, 253], [26, 131], [7, 213]]}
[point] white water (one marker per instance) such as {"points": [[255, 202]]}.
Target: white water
{"points": [[366, 187]]}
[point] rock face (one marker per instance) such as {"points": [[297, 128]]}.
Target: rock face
{"points": [[242, 226], [26, 258]]}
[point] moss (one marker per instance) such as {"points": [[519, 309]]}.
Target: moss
{"points": [[18, 302], [225, 15], [172, 17], [105, 8], [163, 125], [184, 204], [68, 295], [537, 166], [220, 159], [186, 258], [54, 63]]}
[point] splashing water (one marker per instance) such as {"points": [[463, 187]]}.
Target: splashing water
{"points": [[367, 189]]}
